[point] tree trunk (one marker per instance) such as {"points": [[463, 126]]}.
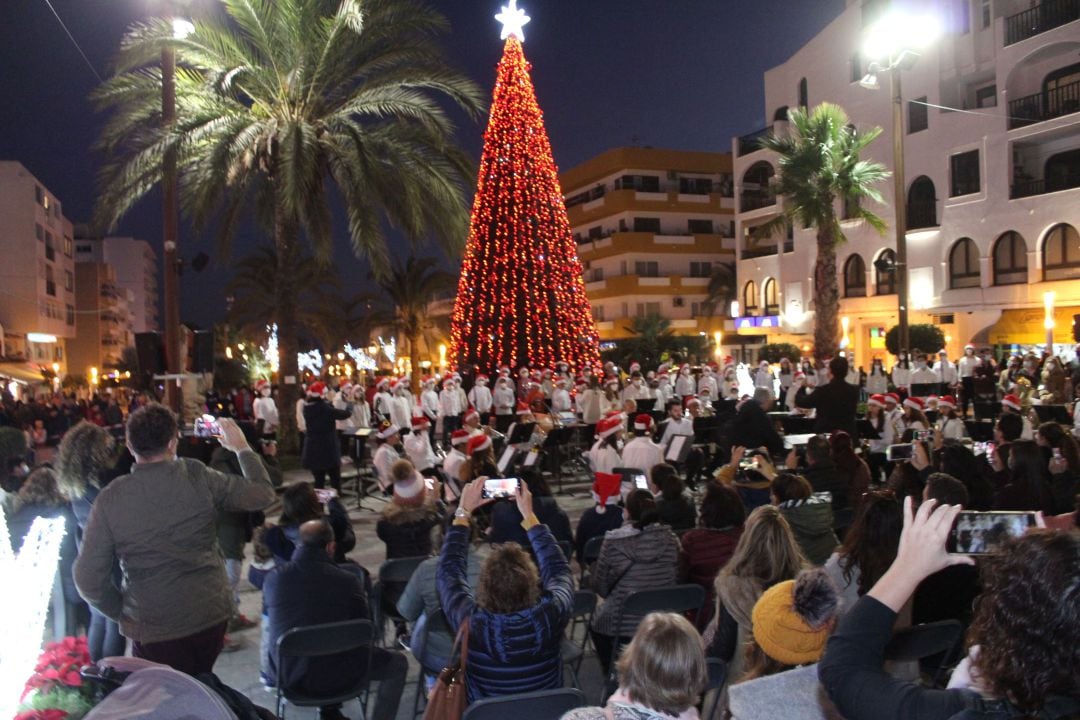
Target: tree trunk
{"points": [[414, 361], [826, 296], [288, 342]]}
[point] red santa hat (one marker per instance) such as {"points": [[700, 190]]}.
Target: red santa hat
{"points": [[384, 382], [643, 422], [684, 366], [609, 426], [663, 373], [409, 491], [387, 430], [580, 381], [946, 401], [262, 384], [561, 381], [395, 385], [605, 490], [316, 389], [634, 365], [446, 382], [892, 398], [1011, 401], [470, 414], [504, 370], [460, 437], [914, 403], [481, 378], [428, 380], [877, 399], [419, 422], [523, 408], [477, 443], [799, 375]]}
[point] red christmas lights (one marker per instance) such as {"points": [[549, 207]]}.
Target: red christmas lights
{"points": [[521, 296]]}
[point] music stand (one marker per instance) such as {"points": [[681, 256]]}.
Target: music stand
{"points": [[506, 459], [522, 433], [704, 427], [556, 441], [979, 431], [866, 430], [922, 390], [1053, 413], [679, 449], [646, 405]]}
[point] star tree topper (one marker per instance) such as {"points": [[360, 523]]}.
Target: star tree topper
{"points": [[513, 19]]}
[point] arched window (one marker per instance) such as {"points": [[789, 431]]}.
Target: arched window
{"points": [[772, 302], [854, 276], [1061, 253], [757, 189], [885, 273], [921, 204], [964, 264], [781, 114], [750, 298], [1062, 171], [1010, 259]]}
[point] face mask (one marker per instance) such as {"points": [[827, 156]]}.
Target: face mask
{"points": [[265, 392]]}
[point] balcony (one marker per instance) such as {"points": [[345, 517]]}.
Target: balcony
{"points": [[1047, 15], [921, 215], [1026, 187], [50, 252], [50, 288], [767, 250], [755, 199], [1056, 102], [752, 142]]}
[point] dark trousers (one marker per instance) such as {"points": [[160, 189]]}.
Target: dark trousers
{"points": [[335, 477], [967, 394], [388, 668], [450, 423], [103, 638], [192, 654]]}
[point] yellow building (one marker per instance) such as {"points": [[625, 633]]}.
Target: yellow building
{"points": [[651, 225]]}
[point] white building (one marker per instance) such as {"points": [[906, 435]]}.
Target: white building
{"points": [[135, 266], [992, 178], [37, 281]]}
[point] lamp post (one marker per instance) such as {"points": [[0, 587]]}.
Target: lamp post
{"points": [[1048, 320], [893, 43]]}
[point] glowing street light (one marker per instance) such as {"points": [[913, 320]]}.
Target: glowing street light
{"points": [[845, 323], [1048, 320]]}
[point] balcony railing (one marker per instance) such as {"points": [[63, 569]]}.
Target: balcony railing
{"points": [[1022, 188], [766, 250], [752, 142], [1047, 15], [756, 199], [1028, 110]]}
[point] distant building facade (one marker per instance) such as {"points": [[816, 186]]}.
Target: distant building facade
{"points": [[136, 270]]}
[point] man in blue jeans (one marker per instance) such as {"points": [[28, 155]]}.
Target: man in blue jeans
{"points": [[312, 590]]}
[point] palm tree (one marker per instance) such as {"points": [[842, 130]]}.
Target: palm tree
{"points": [[819, 165], [721, 289], [281, 101], [651, 336], [410, 289]]}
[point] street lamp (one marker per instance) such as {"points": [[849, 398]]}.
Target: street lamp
{"points": [[893, 44], [1048, 320]]}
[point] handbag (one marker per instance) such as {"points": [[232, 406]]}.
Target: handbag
{"points": [[448, 698]]}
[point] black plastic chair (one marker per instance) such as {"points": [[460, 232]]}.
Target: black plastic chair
{"points": [[928, 640], [319, 641], [717, 670], [395, 572], [573, 653], [590, 554], [540, 705]]}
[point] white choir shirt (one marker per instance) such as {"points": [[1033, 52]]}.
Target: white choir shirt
{"points": [[401, 411], [560, 400], [636, 392], [922, 375], [603, 457], [385, 457], [462, 398], [480, 398], [591, 405], [361, 415], [449, 404], [682, 426], [264, 409], [967, 364], [946, 371], [901, 376], [684, 384], [504, 398], [301, 426], [418, 448], [952, 428], [664, 393], [707, 381], [381, 403], [341, 403], [429, 403], [642, 453]]}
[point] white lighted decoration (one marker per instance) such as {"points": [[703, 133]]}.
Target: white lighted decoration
{"points": [[28, 580], [389, 349], [363, 360], [270, 350], [312, 360], [513, 19]]}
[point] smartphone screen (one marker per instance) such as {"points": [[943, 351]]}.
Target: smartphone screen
{"points": [[325, 494], [899, 452], [429, 483], [641, 482], [207, 427], [980, 533], [498, 488]]}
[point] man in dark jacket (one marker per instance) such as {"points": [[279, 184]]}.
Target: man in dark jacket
{"points": [[835, 401], [322, 450], [312, 590], [752, 427]]}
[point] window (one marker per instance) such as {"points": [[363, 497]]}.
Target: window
{"points": [[85, 247], [69, 281], [918, 117], [964, 264], [695, 186], [986, 97], [651, 225], [781, 114], [39, 195], [885, 273], [648, 308], [1010, 259], [987, 13], [647, 268], [50, 251], [67, 246], [598, 313], [804, 101], [772, 302], [757, 191], [39, 232], [750, 298], [921, 204], [854, 276], [50, 282], [595, 233], [964, 170], [695, 310], [1060, 96], [69, 314], [700, 269], [1061, 253], [641, 183], [856, 67], [699, 227]]}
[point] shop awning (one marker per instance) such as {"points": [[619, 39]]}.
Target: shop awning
{"points": [[23, 372], [1025, 327]]}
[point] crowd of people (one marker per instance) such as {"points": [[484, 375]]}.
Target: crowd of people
{"points": [[812, 547]]}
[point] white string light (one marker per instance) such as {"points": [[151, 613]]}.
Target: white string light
{"points": [[513, 19]]}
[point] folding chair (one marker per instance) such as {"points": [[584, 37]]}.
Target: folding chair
{"points": [[319, 641], [429, 663], [589, 555], [717, 670], [540, 705], [573, 653], [395, 572], [919, 642]]}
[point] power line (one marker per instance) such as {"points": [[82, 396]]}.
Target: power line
{"points": [[74, 42], [969, 112]]}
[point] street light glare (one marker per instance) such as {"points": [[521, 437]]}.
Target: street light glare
{"points": [[899, 31], [181, 28]]}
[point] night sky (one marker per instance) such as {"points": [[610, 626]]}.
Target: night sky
{"points": [[683, 74]]}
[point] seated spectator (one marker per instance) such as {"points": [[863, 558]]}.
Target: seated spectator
{"points": [[868, 549], [674, 506], [661, 673], [752, 485], [851, 465], [948, 594], [1020, 672], [506, 520], [707, 548], [766, 554], [640, 556], [908, 478], [412, 514], [518, 615], [1066, 521], [1063, 464], [959, 462], [822, 471], [605, 515], [1027, 486], [792, 621], [311, 589], [300, 503], [809, 514]]}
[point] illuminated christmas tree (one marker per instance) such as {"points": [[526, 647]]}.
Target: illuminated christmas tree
{"points": [[521, 297]]}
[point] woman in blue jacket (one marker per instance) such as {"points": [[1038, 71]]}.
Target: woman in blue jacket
{"points": [[515, 627]]}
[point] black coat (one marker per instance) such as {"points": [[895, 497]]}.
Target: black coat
{"points": [[322, 451], [753, 429], [835, 402]]}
